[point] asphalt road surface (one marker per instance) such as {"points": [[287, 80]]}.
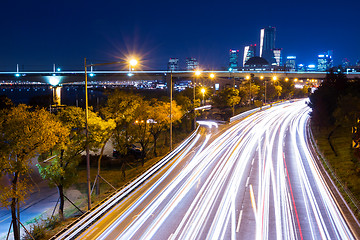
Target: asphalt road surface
{"points": [[253, 180]]}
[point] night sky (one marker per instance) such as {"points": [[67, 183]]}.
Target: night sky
{"points": [[37, 34]]}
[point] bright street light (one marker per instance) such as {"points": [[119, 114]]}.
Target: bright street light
{"points": [[197, 74], [133, 62], [274, 78], [203, 90], [261, 77], [212, 75], [247, 77]]}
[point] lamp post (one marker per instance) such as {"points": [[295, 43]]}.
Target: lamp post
{"points": [[248, 78], [262, 78], [212, 76], [171, 87], [197, 74], [203, 90], [132, 63], [274, 78]]}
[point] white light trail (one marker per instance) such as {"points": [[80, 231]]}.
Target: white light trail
{"points": [[284, 196]]}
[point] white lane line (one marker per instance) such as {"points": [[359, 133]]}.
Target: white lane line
{"points": [[247, 181], [252, 163], [238, 225], [171, 236]]}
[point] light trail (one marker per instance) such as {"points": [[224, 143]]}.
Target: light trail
{"points": [[257, 179]]}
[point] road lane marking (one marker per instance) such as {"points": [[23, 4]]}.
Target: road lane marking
{"points": [[239, 221]]}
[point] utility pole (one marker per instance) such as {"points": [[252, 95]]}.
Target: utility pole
{"points": [[87, 139], [171, 87]]}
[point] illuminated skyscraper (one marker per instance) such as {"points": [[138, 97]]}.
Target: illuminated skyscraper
{"points": [[325, 61], [191, 64], [249, 52], [173, 64], [291, 63], [277, 56], [267, 44], [234, 59]]}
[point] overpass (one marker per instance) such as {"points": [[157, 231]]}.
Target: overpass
{"points": [[64, 77]]}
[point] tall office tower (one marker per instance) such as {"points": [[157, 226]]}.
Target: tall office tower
{"points": [[233, 59], [345, 63], [325, 61], [277, 56], [291, 63], [173, 64], [249, 52], [191, 64], [267, 44]]}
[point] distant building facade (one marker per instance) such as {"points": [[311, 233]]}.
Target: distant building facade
{"points": [[290, 63], [325, 61], [249, 52], [277, 56], [267, 44], [173, 64], [233, 59], [191, 64], [256, 64]]}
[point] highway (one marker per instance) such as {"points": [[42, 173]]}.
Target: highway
{"points": [[255, 179]]}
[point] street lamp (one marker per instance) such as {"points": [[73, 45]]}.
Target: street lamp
{"points": [[262, 78], [131, 63], [171, 87], [212, 76], [249, 78], [203, 90], [197, 74]]}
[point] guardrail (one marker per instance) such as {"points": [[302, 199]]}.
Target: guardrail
{"points": [[87, 219]]}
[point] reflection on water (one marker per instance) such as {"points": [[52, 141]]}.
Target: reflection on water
{"points": [[44, 94]]}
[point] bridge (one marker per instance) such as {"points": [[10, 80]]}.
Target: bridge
{"points": [[64, 77]]}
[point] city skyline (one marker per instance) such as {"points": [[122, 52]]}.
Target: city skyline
{"points": [[40, 35]]}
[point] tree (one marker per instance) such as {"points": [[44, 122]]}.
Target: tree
{"points": [[5, 102], [187, 107], [287, 90], [142, 127], [160, 115], [323, 101], [24, 134], [227, 97], [122, 108], [61, 170], [186, 100], [347, 111], [100, 131]]}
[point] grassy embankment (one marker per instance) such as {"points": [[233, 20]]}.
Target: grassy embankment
{"points": [[343, 162]]}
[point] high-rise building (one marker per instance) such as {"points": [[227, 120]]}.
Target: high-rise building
{"points": [[191, 64], [345, 63], [325, 61], [290, 63], [267, 44], [173, 64], [233, 59], [249, 52], [277, 57]]}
